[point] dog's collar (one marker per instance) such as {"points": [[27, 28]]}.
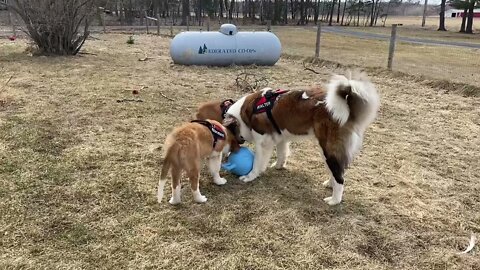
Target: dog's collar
{"points": [[217, 132], [226, 104], [265, 104]]}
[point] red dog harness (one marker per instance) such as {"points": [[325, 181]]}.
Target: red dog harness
{"points": [[217, 132], [265, 104]]}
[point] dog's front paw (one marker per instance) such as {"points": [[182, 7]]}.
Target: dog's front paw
{"points": [[174, 201], [332, 201], [247, 178], [200, 199], [220, 181], [278, 166]]}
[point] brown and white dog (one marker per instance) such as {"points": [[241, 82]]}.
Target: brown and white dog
{"points": [[185, 148], [336, 117]]}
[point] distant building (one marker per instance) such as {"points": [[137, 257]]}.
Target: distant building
{"points": [[453, 13]]}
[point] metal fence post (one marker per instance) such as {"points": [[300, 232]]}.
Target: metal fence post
{"points": [[391, 50]]}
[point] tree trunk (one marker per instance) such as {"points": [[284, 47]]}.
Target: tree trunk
{"points": [[185, 11], [464, 20], [331, 13], [441, 26], [316, 11], [471, 7], [230, 9], [377, 12], [343, 12], [358, 16], [338, 10], [302, 13], [323, 11], [292, 8], [220, 13], [285, 12], [372, 13], [253, 10]]}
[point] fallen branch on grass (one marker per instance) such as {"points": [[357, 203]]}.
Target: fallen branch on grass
{"points": [[163, 95], [250, 82], [87, 53], [309, 69], [6, 83], [128, 100], [9, 79], [144, 58]]}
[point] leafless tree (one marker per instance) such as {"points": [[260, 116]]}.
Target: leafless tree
{"points": [[54, 25]]}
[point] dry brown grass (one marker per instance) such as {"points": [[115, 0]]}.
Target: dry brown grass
{"points": [[77, 181], [459, 65]]}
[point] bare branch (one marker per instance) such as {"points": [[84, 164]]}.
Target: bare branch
{"points": [[163, 95], [250, 82], [310, 69]]}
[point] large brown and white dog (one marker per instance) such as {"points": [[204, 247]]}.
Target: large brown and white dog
{"points": [[336, 116], [185, 148]]}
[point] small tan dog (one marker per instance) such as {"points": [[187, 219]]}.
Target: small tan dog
{"points": [[186, 146], [214, 110]]}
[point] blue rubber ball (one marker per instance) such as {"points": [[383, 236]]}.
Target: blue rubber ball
{"points": [[240, 163]]}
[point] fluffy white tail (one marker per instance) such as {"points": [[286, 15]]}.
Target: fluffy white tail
{"points": [[352, 99]]}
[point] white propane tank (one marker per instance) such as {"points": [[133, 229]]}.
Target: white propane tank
{"points": [[225, 47]]}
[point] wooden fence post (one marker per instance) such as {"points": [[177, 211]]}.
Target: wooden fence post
{"points": [[171, 28], [188, 22], [391, 49], [208, 24], [146, 21], [12, 22], [317, 43], [269, 25], [158, 24]]}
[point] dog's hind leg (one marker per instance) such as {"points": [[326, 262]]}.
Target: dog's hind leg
{"points": [[176, 186], [337, 170], [329, 183], [283, 152], [214, 164], [194, 176]]}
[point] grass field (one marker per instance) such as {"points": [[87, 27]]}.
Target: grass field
{"points": [[454, 64], [78, 182]]}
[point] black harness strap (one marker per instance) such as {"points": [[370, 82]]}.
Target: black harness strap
{"points": [[217, 132], [226, 104], [265, 104]]}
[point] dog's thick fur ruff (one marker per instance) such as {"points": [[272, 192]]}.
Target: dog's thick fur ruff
{"points": [[185, 148], [336, 116]]}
